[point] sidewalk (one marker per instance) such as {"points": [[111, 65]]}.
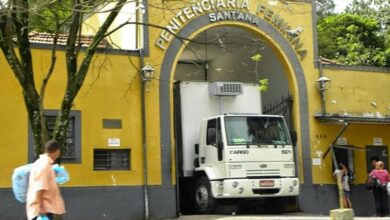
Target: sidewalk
{"points": [[268, 217]]}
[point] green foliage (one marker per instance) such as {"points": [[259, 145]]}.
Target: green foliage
{"points": [[50, 16], [353, 40], [263, 85], [257, 57]]}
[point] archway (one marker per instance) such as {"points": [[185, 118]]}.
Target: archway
{"points": [[285, 55]]}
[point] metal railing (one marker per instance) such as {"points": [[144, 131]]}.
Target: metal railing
{"points": [[283, 107]]}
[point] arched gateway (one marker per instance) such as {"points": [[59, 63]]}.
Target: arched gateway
{"points": [[288, 54]]}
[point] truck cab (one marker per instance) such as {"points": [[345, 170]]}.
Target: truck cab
{"points": [[244, 156]]}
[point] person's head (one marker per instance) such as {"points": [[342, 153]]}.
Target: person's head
{"points": [[379, 165], [343, 165], [373, 160], [53, 148]]}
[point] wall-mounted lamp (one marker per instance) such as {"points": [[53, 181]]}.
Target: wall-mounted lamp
{"points": [[323, 83], [147, 72]]}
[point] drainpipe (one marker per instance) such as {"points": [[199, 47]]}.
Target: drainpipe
{"points": [[144, 145]]}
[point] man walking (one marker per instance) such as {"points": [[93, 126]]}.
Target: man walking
{"points": [[43, 195]]}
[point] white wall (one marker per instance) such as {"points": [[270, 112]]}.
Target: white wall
{"points": [[228, 54]]}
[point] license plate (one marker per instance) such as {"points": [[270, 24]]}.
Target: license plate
{"points": [[267, 183]]}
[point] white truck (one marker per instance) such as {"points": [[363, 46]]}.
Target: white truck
{"points": [[228, 151]]}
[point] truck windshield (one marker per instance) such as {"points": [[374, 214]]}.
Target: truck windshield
{"points": [[242, 130]]}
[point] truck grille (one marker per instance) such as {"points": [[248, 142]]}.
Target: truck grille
{"points": [[263, 172]]}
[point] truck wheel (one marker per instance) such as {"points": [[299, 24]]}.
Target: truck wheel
{"points": [[203, 198], [275, 205]]}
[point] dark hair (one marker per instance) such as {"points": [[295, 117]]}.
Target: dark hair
{"points": [[51, 146], [344, 163], [374, 158]]}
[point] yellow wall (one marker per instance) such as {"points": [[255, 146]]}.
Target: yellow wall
{"points": [[111, 91], [350, 93]]}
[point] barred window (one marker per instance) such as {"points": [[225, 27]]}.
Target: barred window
{"points": [[68, 150], [111, 159], [71, 150]]}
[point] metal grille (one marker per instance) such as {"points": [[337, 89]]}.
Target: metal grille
{"points": [[225, 88], [282, 107], [231, 88], [68, 150], [269, 172], [111, 159]]}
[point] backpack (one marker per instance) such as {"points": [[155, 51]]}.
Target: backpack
{"points": [[20, 178], [372, 183]]}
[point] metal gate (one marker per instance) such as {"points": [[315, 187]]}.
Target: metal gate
{"points": [[283, 107]]}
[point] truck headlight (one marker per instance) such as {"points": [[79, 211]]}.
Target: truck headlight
{"points": [[235, 166], [234, 184], [295, 182]]}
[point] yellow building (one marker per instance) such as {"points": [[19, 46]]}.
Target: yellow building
{"points": [[120, 118]]}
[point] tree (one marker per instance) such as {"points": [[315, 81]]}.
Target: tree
{"points": [[17, 18], [352, 40], [324, 8], [378, 10]]}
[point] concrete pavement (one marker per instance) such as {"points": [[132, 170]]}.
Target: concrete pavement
{"points": [[298, 216]]}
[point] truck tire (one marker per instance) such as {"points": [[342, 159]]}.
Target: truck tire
{"points": [[275, 205], [204, 201]]}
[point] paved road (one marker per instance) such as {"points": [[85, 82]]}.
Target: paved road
{"points": [[299, 216]]}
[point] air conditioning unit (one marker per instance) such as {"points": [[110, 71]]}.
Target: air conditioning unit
{"points": [[225, 89]]}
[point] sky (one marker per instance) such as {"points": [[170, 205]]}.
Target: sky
{"points": [[341, 4]]}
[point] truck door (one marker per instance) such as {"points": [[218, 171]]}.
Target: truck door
{"points": [[214, 144]]}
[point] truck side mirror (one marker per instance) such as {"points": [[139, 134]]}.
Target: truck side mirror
{"points": [[294, 137], [220, 150], [196, 148], [219, 145]]}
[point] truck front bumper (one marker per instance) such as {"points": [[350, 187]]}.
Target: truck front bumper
{"points": [[255, 188]]}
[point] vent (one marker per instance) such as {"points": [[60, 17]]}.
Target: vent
{"points": [[225, 88], [111, 159], [269, 172]]}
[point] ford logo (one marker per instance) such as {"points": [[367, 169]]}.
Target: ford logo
{"points": [[263, 166]]}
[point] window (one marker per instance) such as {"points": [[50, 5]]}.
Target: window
{"points": [[111, 159], [214, 135], [71, 151], [242, 130]]}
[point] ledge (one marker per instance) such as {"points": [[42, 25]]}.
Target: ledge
{"points": [[340, 119]]}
